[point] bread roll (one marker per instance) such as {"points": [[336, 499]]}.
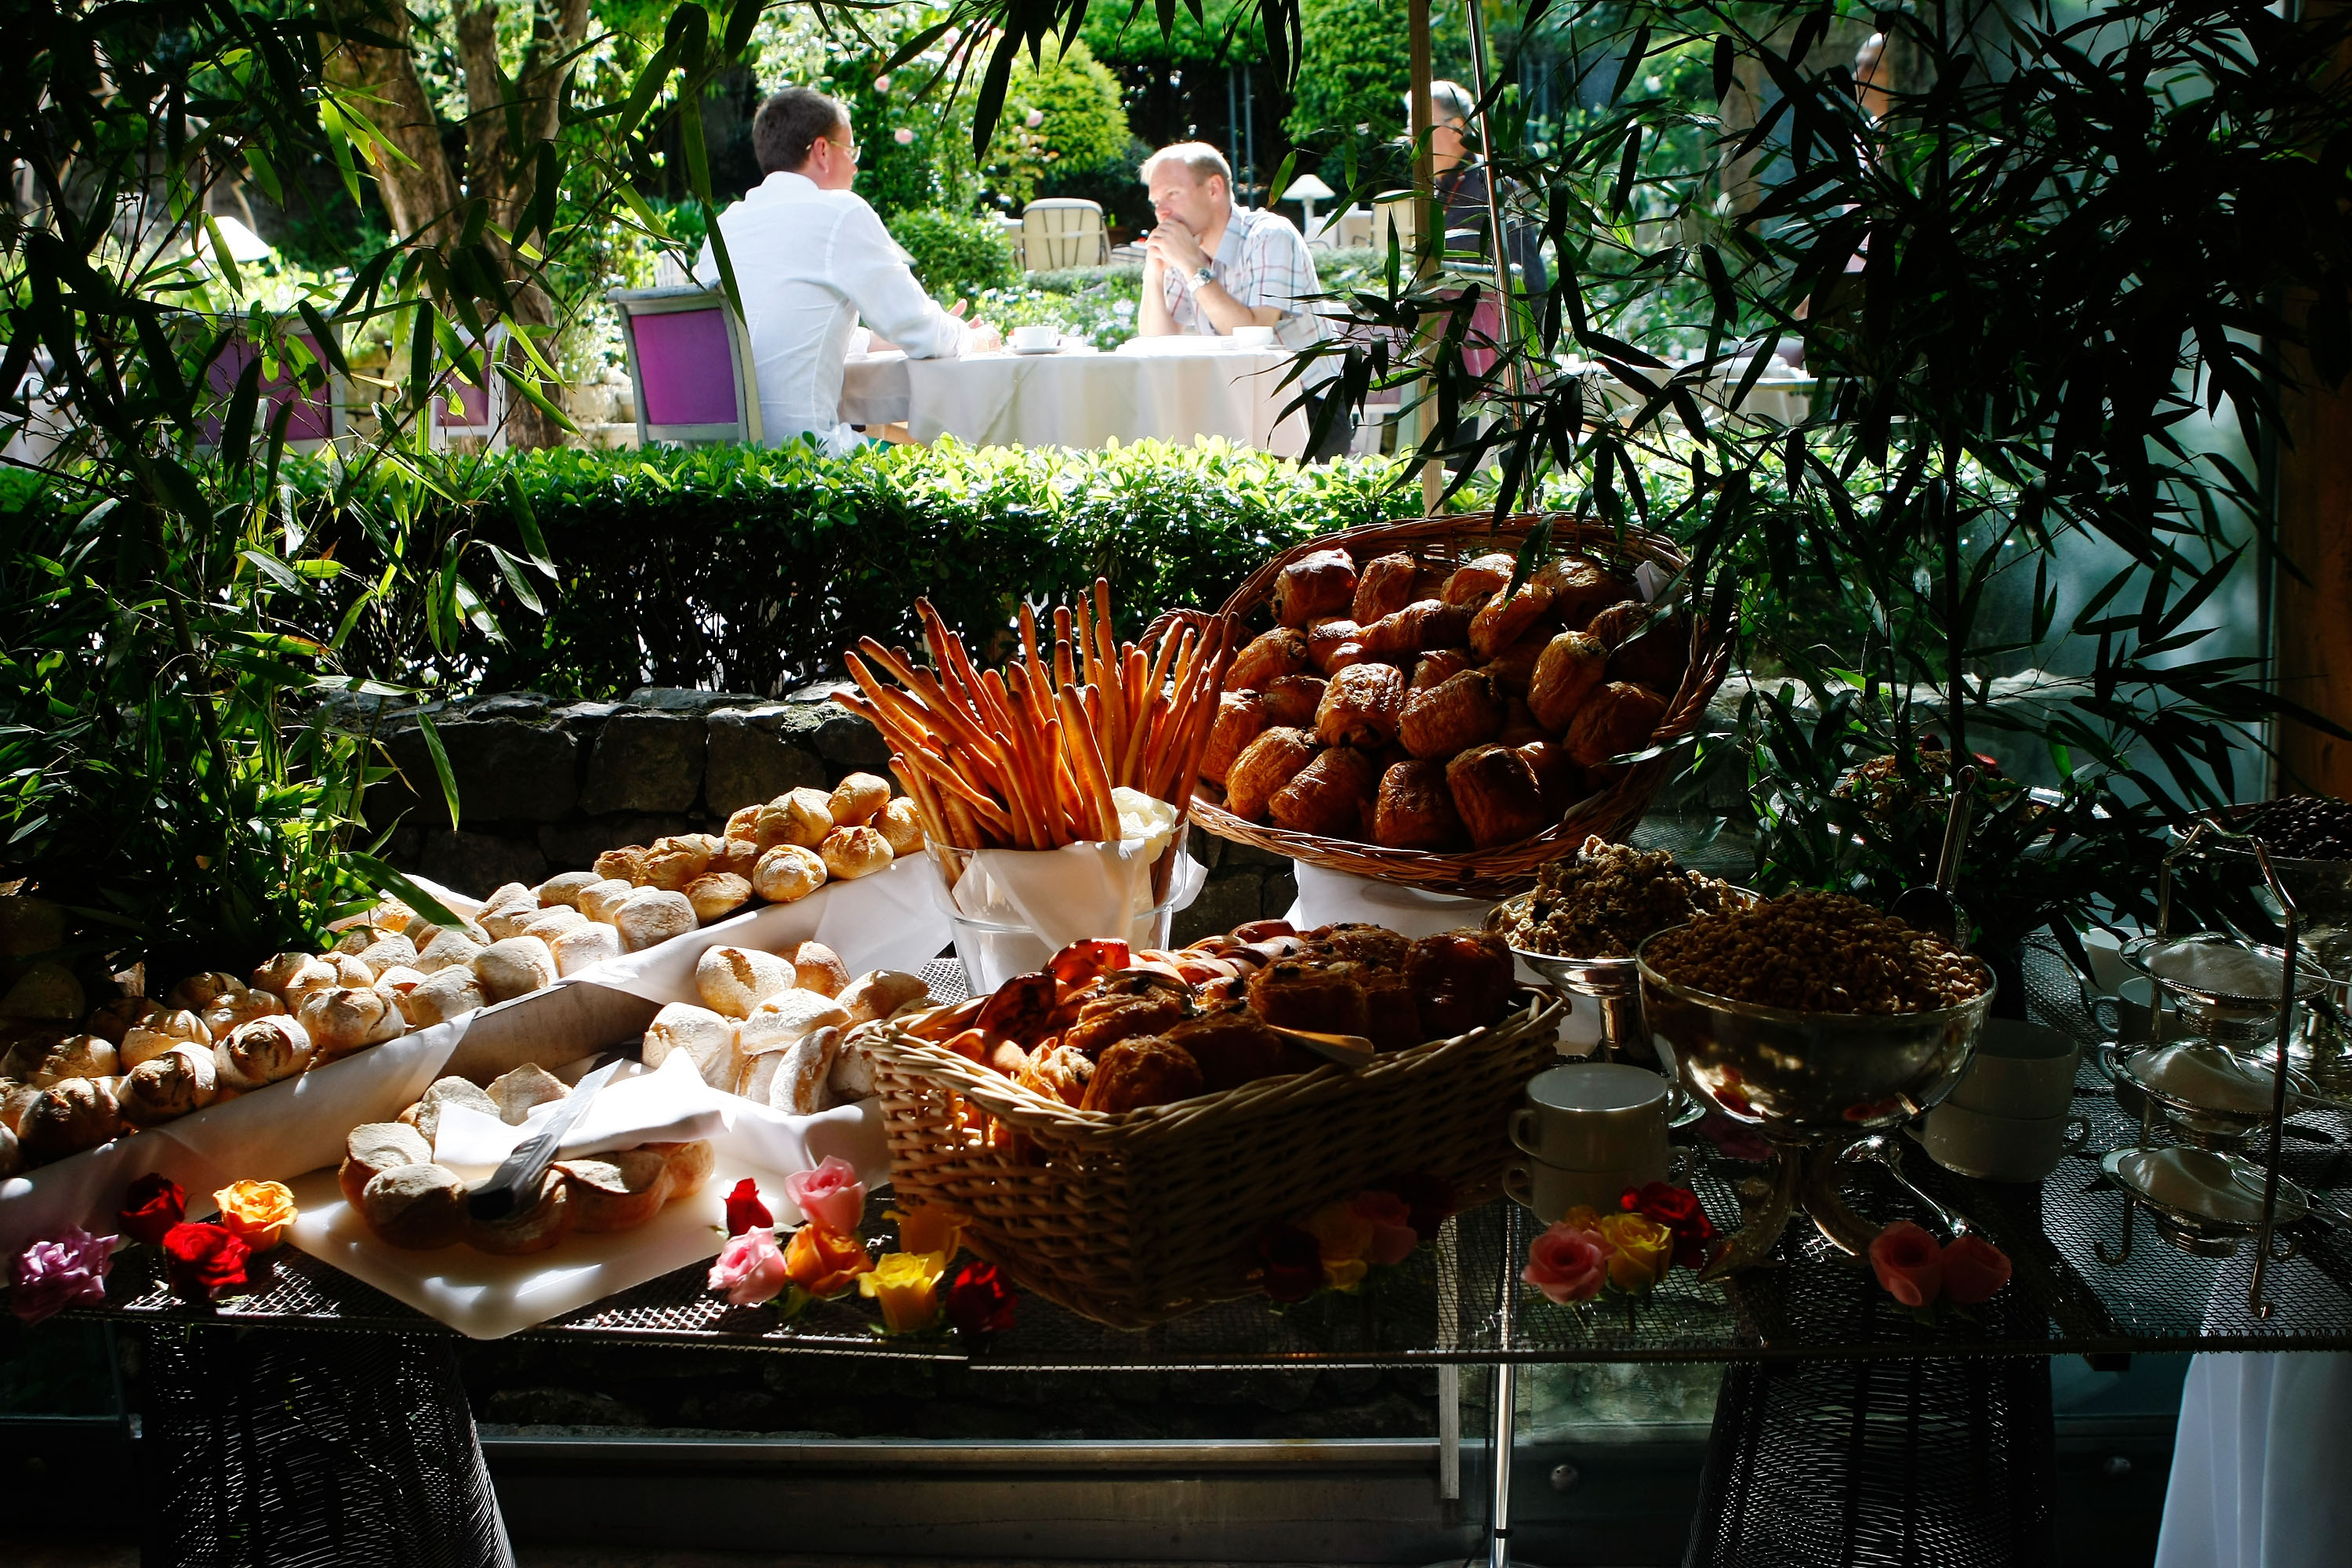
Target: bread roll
{"points": [[879, 994], [562, 890], [548, 924], [626, 863], [801, 816], [802, 1068], [247, 1006], [902, 826], [690, 1165], [198, 992], [652, 917], [736, 856], [349, 1019], [672, 863], [744, 823], [388, 952], [788, 873], [440, 997], [619, 1190], [508, 895], [66, 1118], [16, 1095], [515, 967], [447, 949], [374, 1147], [715, 895], [443, 1092], [180, 1080], [816, 967], [159, 1034], [75, 1055], [399, 981], [289, 974], [852, 1076], [857, 799], [589, 944], [852, 852], [517, 1090], [419, 1207], [603, 900], [542, 1225], [734, 980], [112, 1020], [508, 920], [786, 1016], [708, 1039], [262, 1052]]}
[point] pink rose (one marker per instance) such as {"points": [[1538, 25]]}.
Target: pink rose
{"points": [[66, 1271], [1394, 1237], [750, 1269], [1973, 1270], [1566, 1264], [831, 1196], [1908, 1263]]}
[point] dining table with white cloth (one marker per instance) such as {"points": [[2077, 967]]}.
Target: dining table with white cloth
{"points": [[1164, 389]]}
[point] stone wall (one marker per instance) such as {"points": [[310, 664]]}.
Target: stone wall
{"points": [[544, 784]]}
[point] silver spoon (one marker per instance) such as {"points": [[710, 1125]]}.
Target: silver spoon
{"points": [[1932, 910], [1880, 1149]]}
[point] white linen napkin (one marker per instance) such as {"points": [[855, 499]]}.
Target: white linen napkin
{"points": [[669, 1105]]}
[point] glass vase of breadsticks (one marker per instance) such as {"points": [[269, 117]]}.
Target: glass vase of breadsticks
{"points": [[1052, 791]]}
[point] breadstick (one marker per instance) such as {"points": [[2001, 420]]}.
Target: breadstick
{"points": [[1085, 755]]}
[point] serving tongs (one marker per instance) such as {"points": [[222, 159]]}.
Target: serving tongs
{"points": [[1933, 908], [514, 1185]]}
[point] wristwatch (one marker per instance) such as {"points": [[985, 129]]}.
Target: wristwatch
{"points": [[1205, 274]]}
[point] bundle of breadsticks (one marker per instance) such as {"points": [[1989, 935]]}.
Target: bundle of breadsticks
{"points": [[1026, 758]]}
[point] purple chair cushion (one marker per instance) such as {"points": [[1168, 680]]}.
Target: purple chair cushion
{"points": [[314, 415], [684, 370]]}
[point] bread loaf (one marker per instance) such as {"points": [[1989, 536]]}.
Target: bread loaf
{"points": [[417, 1206], [734, 980], [651, 916], [619, 1190], [517, 1090], [374, 1147]]}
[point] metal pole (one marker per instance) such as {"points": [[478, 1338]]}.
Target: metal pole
{"points": [[1232, 126], [1496, 236], [1249, 123], [1506, 1400], [1424, 185], [2292, 918]]}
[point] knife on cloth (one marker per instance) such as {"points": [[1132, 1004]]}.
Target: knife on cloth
{"points": [[519, 1173]]}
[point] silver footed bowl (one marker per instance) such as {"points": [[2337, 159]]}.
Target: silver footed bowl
{"points": [[1800, 1077], [1585, 976]]}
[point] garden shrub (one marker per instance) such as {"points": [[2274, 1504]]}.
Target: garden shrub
{"points": [[956, 255]]}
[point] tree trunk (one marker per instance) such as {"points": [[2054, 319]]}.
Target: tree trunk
{"points": [[421, 194]]}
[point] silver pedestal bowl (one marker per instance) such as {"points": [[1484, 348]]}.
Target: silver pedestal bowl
{"points": [[1811, 1083]]}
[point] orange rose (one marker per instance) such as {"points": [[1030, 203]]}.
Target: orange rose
{"points": [[1342, 1236], [256, 1213], [928, 1227], [1641, 1250], [824, 1264]]}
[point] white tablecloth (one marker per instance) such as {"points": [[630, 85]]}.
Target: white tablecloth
{"points": [[2257, 1468], [1082, 398]]}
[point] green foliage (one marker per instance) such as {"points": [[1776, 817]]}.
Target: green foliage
{"points": [[1094, 304], [1358, 78], [956, 255], [1063, 115], [931, 167]]}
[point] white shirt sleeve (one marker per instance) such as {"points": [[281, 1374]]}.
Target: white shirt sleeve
{"points": [[868, 267]]}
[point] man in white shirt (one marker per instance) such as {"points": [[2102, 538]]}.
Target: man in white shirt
{"points": [[1212, 265], [811, 258]]}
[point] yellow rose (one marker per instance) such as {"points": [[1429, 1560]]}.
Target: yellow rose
{"points": [[906, 1286], [1583, 1217], [928, 1227], [1345, 1275], [256, 1213], [1641, 1250]]}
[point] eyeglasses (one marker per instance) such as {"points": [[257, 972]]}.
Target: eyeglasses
{"points": [[848, 148]]}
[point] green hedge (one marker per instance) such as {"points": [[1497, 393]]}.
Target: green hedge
{"points": [[746, 568]]}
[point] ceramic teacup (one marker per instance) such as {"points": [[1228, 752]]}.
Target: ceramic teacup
{"points": [[1549, 1192], [1253, 337], [2001, 1148], [1031, 338], [2019, 1069], [1594, 1116]]}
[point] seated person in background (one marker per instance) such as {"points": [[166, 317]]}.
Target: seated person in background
{"points": [[810, 258], [1462, 187], [1212, 265]]}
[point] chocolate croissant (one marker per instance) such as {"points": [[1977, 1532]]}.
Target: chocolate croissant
{"points": [[1616, 718], [1384, 586], [1496, 792], [1281, 651], [1571, 666], [1265, 764], [1514, 668], [1459, 711], [1461, 980], [1241, 718], [1501, 621], [1475, 583], [1440, 663], [1424, 624], [1323, 584], [1328, 639], [1561, 781], [1415, 809], [1134, 1074], [1293, 700], [1330, 796], [1361, 705], [1581, 588]]}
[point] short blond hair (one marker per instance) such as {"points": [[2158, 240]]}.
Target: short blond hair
{"points": [[1199, 157]]}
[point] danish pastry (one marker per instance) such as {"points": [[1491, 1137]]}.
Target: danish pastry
{"points": [[1384, 586], [1319, 995], [1329, 795], [1514, 668], [1322, 583], [1502, 621], [1241, 718], [1058, 1072], [1134, 1074], [1573, 666], [1479, 580], [1616, 718], [1265, 764], [1291, 700], [1495, 795], [1558, 780], [1358, 942], [1459, 711], [1281, 651], [1361, 705], [1415, 809]]}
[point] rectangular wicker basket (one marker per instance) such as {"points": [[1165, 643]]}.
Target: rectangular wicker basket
{"points": [[1137, 1219]]}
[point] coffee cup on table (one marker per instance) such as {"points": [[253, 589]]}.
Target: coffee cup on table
{"points": [[2001, 1148], [2021, 1071], [1253, 337], [1592, 1129], [1037, 338]]}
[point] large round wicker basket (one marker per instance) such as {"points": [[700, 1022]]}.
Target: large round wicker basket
{"points": [[1611, 813]]}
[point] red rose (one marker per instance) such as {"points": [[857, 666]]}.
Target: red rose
{"points": [[744, 1209], [1908, 1263], [1678, 1209], [204, 1259], [1428, 1199], [151, 1205], [1973, 1270], [979, 1302], [1292, 1261]]}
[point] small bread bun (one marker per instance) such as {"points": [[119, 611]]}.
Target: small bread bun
{"points": [[902, 826], [440, 997], [262, 1052], [112, 1020], [690, 1165], [66, 1118], [75, 1055], [514, 967], [349, 1019], [398, 981], [715, 895], [786, 1016], [447, 949], [542, 1225], [802, 1073], [286, 973], [563, 890], [548, 924], [159, 1033], [351, 939], [851, 852], [588, 944], [652, 917], [672, 863], [374, 1147], [180, 1080], [198, 992], [387, 953], [736, 856], [626, 863], [619, 1190], [801, 816], [242, 1008], [506, 895], [735, 980], [879, 994], [816, 967], [708, 1040], [857, 799], [510, 919], [601, 901], [744, 823], [517, 1090], [852, 1077], [16, 1095], [350, 970], [426, 1114], [417, 1206], [788, 873]]}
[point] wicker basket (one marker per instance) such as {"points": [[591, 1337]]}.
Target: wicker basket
{"points": [[1505, 868], [1135, 1219]]}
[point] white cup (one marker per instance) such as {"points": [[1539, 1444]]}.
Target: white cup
{"points": [[1603, 1120], [2019, 1069], [1253, 337], [2001, 1148], [1032, 339], [1549, 1192]]}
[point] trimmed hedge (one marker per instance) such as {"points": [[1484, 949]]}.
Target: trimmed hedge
{"points": [[748, 569]]}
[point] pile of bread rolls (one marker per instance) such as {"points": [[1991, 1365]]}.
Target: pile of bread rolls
{"points": [[774, 1028], [1422, 707], [775, 853], [391, 1181]]}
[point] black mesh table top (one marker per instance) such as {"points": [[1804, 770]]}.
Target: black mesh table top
{"points": [[1446, 1304]]}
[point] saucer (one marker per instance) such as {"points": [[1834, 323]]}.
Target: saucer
{"points": [[1054, 350]]}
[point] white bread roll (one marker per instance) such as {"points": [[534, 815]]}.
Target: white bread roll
{"points": [[442, 996], [626, 863], [787, 873], [398, 981], [672, 863], [857, 799], [426, 1114], [708, 1040], [262, 1052], [690, 1165], [603, 900], [116, 1018], [352, 939], [802, 1068], [374, 1147], [548, 924], [816, 967], [801, 816], [546, 1223], [514, 967], [386, 952], [446, 950], [75, 1055], [902, 826], [563, 890], [419, 1206], [619, 1190], [183, 1079], [881, 992], [519, 1089], [784, 1018], [159, 1034], [198, 992], [852, 852], [241, 1008], [589, 944], [734, 980], [278, 973], [346, 1019], [715, 895], [66, 1118], [508, 920], [652, 917]]}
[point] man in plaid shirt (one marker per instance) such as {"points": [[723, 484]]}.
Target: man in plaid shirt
{"points": [[1212, 265]]}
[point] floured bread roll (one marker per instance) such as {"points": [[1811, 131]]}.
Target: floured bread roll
{"points": [[386, 952], [180, 1080], [902, 826], [852, 852], [374, 1147], [241, 1008], [442, 996], [619, 1190], [801, 816], [420, 1206], [803, 1069], [539, 1227], [506, 895], [198, 992], [350, 970], [354, 939], [857, 799], [66, 1118], [588, 944], [159, 1033], [715, 895], [75, 1055], [787, 873], [881, 992], [15, 1096], [399, 981], [447, 948], [786, 1016], [602, 900], [652, 917], [548, 924], [816, 967], [672, 863], [734, 980], [346, 1019], [708, 1040], [262, 1052], [113, 1020], [851, 1077], [564, 888], [626, 863], [518, 1090], [515, 966], [735, 858], [426, 1114], [690, 1165], [291, 974]]}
